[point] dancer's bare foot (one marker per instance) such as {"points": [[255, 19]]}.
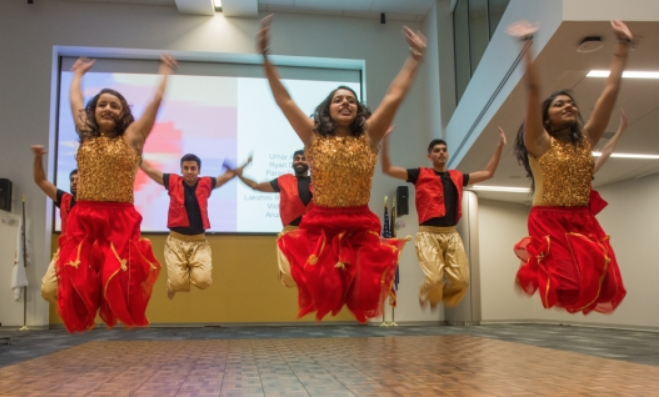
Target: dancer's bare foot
{"points": [[423, 303], [170, 293]]}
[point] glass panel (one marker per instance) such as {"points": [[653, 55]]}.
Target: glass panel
{"points": [[461, 46], [479, 31], [496, 10]]}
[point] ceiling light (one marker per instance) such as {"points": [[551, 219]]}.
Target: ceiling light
{"points": [[501, 189], [629, 74], [590, 44], [218, 4], [630, 156]]}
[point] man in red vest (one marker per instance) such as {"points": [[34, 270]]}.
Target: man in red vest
{"points": [[438, 245], [65, 202], [295, 193], [187, 252]]}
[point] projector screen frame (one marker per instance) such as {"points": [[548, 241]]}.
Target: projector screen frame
{"points": [[60, 52]]}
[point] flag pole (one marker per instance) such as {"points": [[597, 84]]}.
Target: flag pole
{"points": [[392, 219], [384, 323], [24, 327]]}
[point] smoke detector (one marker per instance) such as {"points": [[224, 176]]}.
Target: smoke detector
{"points": [[590, 44]]}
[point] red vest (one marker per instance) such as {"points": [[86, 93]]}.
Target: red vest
{"points": [[430, 194], [178, 216], [291, 206], [64, 209]]}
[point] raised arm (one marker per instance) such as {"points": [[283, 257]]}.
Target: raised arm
{"points": [[388, 169], [40, 175], [79, 68], [379, 122], [137, 132], [301, 123], [536, 139], [612, 143], [153, 173], [599, 119], [261, 187], [488, 172]]}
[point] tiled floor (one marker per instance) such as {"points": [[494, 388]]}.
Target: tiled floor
{"points": [[334, 361]]}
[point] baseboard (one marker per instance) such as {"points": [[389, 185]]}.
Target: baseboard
{"points": [[19, 328], [574, 324], [233, 325]]}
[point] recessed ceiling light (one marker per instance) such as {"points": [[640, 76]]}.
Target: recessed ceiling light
{"points": [[501, 189], [590, 44], [631, 74], [630, 156]]}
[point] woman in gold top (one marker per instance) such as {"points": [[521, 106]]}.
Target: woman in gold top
{"points": [[103, 263], [567, 256], [337, 257]]}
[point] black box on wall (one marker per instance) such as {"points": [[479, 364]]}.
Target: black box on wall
{"points": [[5, 194], [402, 200]]}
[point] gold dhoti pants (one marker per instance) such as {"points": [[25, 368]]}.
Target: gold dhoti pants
{"points": [[444, 262], [188, 260], [49, 281], [285, 276]]}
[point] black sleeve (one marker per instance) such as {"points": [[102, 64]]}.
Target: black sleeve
{"points": [[165, 181], [213, 182], [60, 193], [413, 175], [275, 185], [465, 179]]}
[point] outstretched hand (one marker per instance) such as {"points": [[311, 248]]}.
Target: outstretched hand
{"points": [[239, 171], [167, 65], [522, 29], [264, 35], [502, 137], [623, 120], [82, 65], [621, 30], [416, 40], [389, 131], [39, 150]]}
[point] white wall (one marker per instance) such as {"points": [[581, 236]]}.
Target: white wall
{"points": [[28, 33], [632, 221]]}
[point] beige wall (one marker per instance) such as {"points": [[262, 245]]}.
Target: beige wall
{"points": [[29, 32]]}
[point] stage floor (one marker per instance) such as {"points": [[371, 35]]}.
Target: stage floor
{"points": [[334, 361]]}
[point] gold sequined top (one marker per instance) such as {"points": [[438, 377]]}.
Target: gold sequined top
{"points": [[563, 175], [341, 170], [106, 169]]}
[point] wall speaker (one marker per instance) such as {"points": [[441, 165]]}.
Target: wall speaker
{"points": [[402, 200], [5, 194]]}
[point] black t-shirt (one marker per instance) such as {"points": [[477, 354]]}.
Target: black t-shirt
{"points": [[191, 207], [303, 183], [60, 194], [450, 197]]}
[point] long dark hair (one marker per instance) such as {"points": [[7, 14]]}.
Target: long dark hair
{"points": [[325, 126], [121, 122], [576, 132]]}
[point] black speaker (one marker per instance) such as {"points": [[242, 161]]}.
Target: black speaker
{"points": [[5, 194], [402, 200]]}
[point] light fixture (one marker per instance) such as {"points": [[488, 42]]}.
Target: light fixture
{"points": [[218, 5], [630, 156], [590, 44], [628, 74], [501, 189]]}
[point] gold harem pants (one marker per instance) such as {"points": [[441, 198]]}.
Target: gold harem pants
{"points": [[444, 262], [188, 260], [49, 281], [285, 276]]}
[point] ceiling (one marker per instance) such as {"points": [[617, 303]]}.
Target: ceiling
{"points": [[401, 10], [560, 66], [405, 10]]}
